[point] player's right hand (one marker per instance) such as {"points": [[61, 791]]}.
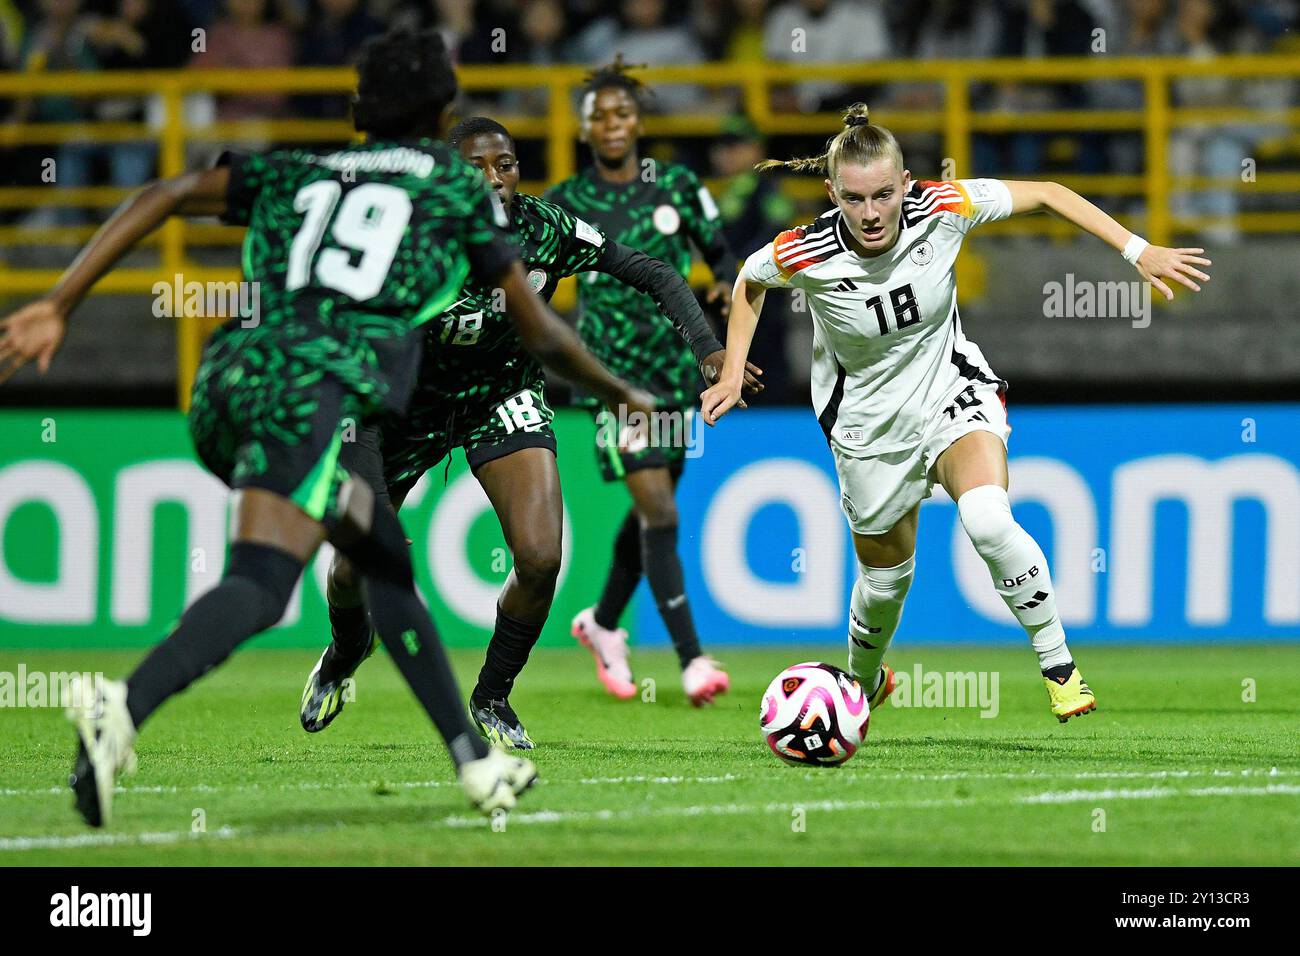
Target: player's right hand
{"points": [[33, 332], [718, 400], [639, 400]]}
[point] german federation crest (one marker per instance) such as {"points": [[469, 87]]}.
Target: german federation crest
{"points": [[922, 253]]}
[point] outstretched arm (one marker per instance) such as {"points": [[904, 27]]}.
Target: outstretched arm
{"points": [[36, 331], [661, 282], [1154, 263], [558, 347], [746, 304]]}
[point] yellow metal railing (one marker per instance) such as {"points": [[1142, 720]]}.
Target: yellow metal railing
{"points": [[954, 122]]}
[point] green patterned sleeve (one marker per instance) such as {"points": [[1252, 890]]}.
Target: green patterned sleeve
{"points": [[581, 243], [703, 224]]}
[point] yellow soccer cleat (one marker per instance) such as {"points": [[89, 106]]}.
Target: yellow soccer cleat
{"points": [[1070, 696], [887, 684]]}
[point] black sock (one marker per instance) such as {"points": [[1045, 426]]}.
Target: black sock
{"points": [[408, 632], [507, 653], [624, 574], [1060, 673], [350, 629], [663, 569], [250, 598]]}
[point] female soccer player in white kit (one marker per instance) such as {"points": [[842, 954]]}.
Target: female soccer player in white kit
{"points": [[905, 399]]}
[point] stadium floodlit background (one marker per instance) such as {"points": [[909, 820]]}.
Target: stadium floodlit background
{"points": [[1155, 450], [1179, 117]]}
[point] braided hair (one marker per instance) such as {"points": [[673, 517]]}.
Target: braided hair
{"points": [[617, 75], [858, 142]]}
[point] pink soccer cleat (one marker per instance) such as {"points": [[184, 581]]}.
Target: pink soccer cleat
{"points": [[703, 680], [609, 648]]}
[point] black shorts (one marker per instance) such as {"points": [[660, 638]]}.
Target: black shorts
{"points": [[281, 432], [382, 456]]}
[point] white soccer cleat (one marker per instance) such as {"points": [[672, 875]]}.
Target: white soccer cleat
{"points": [[703, 680], [609, 648], [106, 737], [492, 782]]}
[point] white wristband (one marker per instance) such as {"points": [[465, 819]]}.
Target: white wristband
{"points": [[1134, 248]]}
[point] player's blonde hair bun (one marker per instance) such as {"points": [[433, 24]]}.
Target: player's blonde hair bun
{"points": [[860, 142]]}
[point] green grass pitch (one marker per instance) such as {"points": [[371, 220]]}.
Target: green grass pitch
{"points": [[1175, 768]]}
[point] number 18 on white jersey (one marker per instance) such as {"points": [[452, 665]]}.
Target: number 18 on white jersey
{"points": [[888, 348]]}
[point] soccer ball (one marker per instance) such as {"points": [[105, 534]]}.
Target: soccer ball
{"points": [[814, 714]]}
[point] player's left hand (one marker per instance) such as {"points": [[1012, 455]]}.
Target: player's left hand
{"points": [[1158, 263], [711, 369], [718, 400], [719, 296], [33, 332]]}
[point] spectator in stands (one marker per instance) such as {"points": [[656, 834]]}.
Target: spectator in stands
{"points": [[333, 37], [825, 31], [1208, 149], [245, 39], [940, 30], [642, 33], [467, 26], [11, 32], [753, 210], [1034, 29], [140, 35], [204, 13], [746, 30], [542, 26], [57, 41], [1144, 29], [947, 29]]}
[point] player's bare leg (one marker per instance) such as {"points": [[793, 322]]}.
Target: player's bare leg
{"points": [[973, 470], [524, 488], [885, 567]]}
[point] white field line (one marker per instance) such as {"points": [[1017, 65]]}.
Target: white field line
{"points": [[461, 821], [573, 816], [842, 775], [1153, 793], [9, 844]]}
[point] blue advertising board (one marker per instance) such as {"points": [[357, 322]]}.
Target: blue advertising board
{"points": [[1160, 523]]}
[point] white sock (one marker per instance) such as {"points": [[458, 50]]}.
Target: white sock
{"points": [[1019, 570], [874, 610]]}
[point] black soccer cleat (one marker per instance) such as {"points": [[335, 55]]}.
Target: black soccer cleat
{"points": [[498, 724], [323, 700]]}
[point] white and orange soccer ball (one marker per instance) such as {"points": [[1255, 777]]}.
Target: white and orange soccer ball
{"points": [[814, 714]]}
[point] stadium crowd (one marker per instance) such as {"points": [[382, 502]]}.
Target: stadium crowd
{"points": [[104, 35], [87, 35]]}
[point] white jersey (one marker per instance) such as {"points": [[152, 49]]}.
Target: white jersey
{"points": [[888, 349]]}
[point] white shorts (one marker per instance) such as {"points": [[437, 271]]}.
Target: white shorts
{"points": [[876, 492]]}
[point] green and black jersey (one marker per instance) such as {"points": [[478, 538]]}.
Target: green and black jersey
{"points": [[478, 388], [348, 254], [660, 217], [472, 349], [351, 251]]}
